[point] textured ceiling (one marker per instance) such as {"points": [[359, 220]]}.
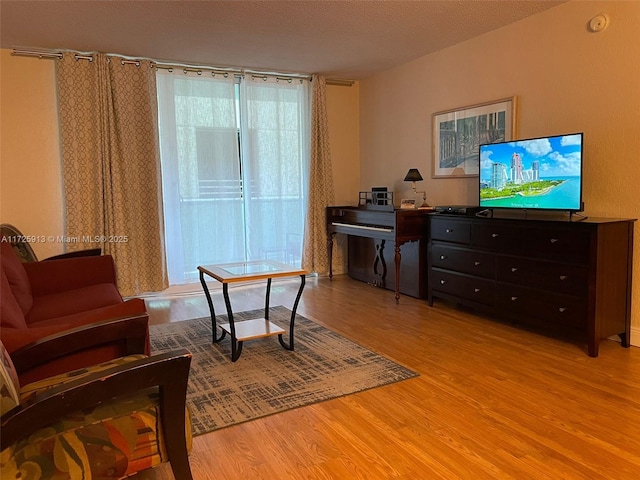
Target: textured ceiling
{"points": [[341, 39]]}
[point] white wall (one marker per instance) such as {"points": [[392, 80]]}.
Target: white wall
{"points": [[566, 79]]}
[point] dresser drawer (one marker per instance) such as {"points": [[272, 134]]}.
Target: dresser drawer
{"points": [[450, 230], [521, 303], [465, 287], [553, 277], [558, 244], [505, 238], [473, 262]]}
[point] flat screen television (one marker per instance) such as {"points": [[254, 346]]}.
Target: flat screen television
{"points": [[537, 173]]}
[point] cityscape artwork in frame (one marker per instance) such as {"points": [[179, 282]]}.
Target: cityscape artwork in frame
{"points": [[458, 134]]}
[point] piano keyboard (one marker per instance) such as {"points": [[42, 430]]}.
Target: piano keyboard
{"points": [[362, 227]]}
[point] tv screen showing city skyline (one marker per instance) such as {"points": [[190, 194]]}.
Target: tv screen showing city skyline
{"points": [[537, 173]]}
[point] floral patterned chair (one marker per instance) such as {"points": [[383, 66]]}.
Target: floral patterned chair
{"points": [[106, 421]]}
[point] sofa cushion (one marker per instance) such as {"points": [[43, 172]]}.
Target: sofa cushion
{"points": [[49, 307], [16, 276], [55, 276], [11, 314], [131, 307]]}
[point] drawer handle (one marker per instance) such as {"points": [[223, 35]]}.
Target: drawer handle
{"points": [[495, 235], [514, 269], [449, 230], [476, 263], [561, 309], [564, 277], [513, 299], [443, 257], [442, 282], [477, 290], [554, 240]]}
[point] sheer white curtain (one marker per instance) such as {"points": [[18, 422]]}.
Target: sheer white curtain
{"points": [[234, 168], [275, 119]]}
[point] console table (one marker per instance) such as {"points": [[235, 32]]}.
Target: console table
{"points": [[571, 274]]}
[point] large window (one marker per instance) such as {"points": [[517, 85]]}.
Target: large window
{"points": [[234, 169]]}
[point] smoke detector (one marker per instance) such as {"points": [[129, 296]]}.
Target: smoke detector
{"points": [[599, 23]]}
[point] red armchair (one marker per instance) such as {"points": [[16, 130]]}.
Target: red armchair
{"points": [[39, 299]]}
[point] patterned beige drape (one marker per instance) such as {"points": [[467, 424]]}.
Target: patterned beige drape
{"points": [[314, 255], [111, 165]]}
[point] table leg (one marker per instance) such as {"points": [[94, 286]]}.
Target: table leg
{"points": [[330, 254], [236, 346], [397, 258], [266, 300], [293, 316], [214, 328]]}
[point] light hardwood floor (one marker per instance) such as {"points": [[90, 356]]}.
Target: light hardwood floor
{"points": [[491, 401]]}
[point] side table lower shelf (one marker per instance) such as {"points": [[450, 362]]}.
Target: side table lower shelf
{"points": [[252, 329]]}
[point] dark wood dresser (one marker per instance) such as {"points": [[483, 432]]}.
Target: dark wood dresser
{"points": [[551, 273]]}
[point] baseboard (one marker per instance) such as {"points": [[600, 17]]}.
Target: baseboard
{"points": [[635, 336]]}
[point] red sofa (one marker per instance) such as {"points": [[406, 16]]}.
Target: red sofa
{"points": [[39, 299]]}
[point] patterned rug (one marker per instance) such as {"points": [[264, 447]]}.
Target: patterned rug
{"points": [[268, 379]]}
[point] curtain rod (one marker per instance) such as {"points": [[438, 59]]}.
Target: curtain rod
{"points": [[336, 82], [46, 54]]}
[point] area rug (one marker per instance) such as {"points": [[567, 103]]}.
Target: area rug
{"points": [[268, 379]]}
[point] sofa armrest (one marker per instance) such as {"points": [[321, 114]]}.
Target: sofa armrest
{"points": [[168, 371], [53, 276], [131, 332]]}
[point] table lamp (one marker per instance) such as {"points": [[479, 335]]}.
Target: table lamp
{"points": [[413, 175]]}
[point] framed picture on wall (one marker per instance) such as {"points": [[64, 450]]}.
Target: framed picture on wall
{"points": [[458, 134]]}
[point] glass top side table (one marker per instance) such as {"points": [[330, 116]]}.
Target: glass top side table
{"points": [[240, 332]]}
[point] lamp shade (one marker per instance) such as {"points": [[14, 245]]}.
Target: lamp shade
{"points": [[413, 175]]}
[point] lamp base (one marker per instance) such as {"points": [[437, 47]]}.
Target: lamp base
{"points": [[424, 204]]}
